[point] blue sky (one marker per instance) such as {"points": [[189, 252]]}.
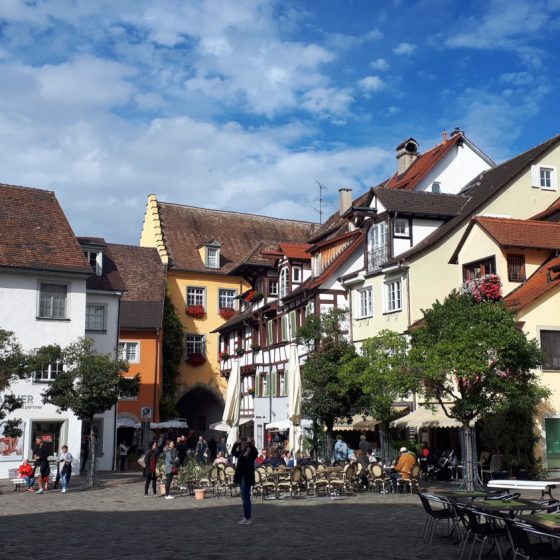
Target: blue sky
{"points": [[245, 105]]}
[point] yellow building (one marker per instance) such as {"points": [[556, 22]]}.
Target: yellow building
{"points": [[205, 252]]}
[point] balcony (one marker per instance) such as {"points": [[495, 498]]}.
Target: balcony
{"points": [[377, 256]]}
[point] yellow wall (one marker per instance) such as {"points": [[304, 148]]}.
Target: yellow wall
{"points": [[209, 372]]}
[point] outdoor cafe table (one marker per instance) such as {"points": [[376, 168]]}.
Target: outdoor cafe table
{"points": [[545, 486], [506, 506], [546, 521], [455, 495]]}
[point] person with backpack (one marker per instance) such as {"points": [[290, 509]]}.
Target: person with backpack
{"points": [[150, 460], [340, 449]]}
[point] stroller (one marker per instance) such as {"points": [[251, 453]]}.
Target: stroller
{"points": [[440, 468]]}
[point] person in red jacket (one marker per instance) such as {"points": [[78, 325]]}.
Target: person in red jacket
{"points": [[27, 472]]}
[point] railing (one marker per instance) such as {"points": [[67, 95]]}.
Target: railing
{"points": [[377, 256]]}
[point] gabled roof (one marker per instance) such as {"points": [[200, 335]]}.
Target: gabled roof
{"points": [[550, 212], [186, 227], [110, 280], [35, 234], [297, 251], [144, 276], [420, 203], [480, 190], [422, 165], [537, 285]]}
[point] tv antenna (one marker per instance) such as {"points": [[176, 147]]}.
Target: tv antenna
{"points": [[321, 200]]}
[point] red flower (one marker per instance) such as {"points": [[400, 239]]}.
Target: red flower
{"points": [[196, 360], [196, 311], [227, 313]]}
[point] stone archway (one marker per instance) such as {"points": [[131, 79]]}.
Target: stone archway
{"points": [[201, 406]]}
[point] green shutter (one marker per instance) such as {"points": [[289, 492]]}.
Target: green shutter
{"points": [[270, 333], [284, 328], [293, 325], [274, 384], [267, 391], [257, 385], [286, 377]]}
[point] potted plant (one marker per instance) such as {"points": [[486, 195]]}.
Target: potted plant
{"points": [[195, 360], [190, 476], [255, 347], [227, 313], [160, 473], [239, 351], [195, 311], [252, 296], [224, 356]]}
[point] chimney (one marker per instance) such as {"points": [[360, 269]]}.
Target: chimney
{"points": [[407, 154], [444, 136], [456, 131], [345, 200]]}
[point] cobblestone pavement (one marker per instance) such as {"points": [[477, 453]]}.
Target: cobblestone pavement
{"points": [[116, 521]]}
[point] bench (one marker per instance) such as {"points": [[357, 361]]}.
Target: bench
{"points": [[13, 475], [545, 486]]}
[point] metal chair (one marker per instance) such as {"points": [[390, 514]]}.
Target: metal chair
{"points": [[434, 515]]}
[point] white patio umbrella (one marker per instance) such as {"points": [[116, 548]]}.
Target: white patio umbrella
{"points": [[233, 404], [294, 400]]}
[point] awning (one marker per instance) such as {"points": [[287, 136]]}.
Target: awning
{"points": [[125, 422], [221, 426], [283, 425], [424, 417], [177, 423], [359, 423]]}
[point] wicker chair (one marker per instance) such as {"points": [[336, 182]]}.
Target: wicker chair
{"points": [[378, 481], [262, 485], [292, 484], [315, 482], [412, 482]]}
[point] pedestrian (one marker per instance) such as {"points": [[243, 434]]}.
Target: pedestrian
{"points": [[212, 449], [65, 467], [181, 450], [123, 453], [170, 455], [222, 447], [201, 451], [364, 445], [27, 472], [246, 454], [340, 450], [41, 456], [151, 459]]}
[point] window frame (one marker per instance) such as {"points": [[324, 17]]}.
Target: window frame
{"points": [[202, 343], [510, 267], [233, 303], [546, 366], [49, 377], [42, 283], [406, 234], [123, 396], [204, 295], [124, 355], [360, 293], [390, 303], [207, 262], [299, 270], [537, 177], [283, 282], [273, 282], [104, 307], [467, 267]]}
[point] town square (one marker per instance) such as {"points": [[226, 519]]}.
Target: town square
{"points": [[279, 279]]}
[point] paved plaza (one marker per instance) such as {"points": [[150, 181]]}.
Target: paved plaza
{"points": [[116, 521]]}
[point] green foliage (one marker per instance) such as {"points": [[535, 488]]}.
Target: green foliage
{"points": [[325, 394], [381, 373], [90, 383], [474, 356], [172, 355]]}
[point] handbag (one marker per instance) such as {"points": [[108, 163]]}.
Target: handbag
{"points": [[174, 470], [142, 461]]}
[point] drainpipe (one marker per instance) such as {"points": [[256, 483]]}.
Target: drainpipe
{"points": [[156, 370], [114, 461]]}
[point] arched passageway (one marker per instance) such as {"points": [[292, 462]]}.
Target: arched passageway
{"points": [[201, 407]]}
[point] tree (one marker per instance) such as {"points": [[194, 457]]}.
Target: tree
{"points": [[382, 375], [172, 355], [326, 396], [471, 358], [90, 384], [13, 366]]}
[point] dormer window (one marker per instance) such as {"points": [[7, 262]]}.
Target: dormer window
{"points": [[284, 282], [213, 254], [95, 260]]}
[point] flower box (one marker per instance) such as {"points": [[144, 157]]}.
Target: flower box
{"points": [[255, 347], [195, 360], [224, 356], [239, 351], [487, 288], [196, 311], [252, 296], [227, 313]]}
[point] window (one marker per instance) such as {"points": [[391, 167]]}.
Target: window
{"points": [[393, 295], [129, 351], [310, 308], [127, 395], [270, 332], [544, 177], [195, 345], [196, 296], [95, 260], [52, 301], [273, 287], [550, 344], [401, 228], [436, 187], [285, 327], [364, 303], [284, 284], [226, 298], [516, 268], [95, 317], [296, 274], [49, 372], [479, 269], [212, 257], [378, 249], [263, 385], [281, 377]]}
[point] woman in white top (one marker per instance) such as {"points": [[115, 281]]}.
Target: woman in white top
{"points": [[65, 465]]}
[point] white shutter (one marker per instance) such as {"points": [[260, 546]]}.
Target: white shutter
{"points": [[535, 176]]}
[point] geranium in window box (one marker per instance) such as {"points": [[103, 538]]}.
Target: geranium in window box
{"points": [[239, 351], [224, 356], [227, 313], [253, 296], [487, 288], [196, 311], [195, 360], [255, 347]]}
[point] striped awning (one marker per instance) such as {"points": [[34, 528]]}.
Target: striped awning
{"points": [[359, 423], [424, 417]]}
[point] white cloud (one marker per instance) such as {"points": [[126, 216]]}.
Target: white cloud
{"points": [[517, 78], [327, 101], [371, 84], [405, 49], [379, 64]]}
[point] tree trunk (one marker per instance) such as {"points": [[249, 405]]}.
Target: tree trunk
{"points": [[471, 478], [384, 442], [92, 455]]}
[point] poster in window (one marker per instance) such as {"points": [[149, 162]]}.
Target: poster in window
{"points": [[11, 449]]}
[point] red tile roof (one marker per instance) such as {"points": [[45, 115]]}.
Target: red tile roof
{"points": [[296, 251], [110, 279], [35, 234], [425, 163], [548, 212], [537, 285], [521, 233]]}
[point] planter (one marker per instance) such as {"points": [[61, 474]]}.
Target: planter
{"points": [[227, 313], [239, 352], [199, 493], [195, 311], [195, 360]]}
